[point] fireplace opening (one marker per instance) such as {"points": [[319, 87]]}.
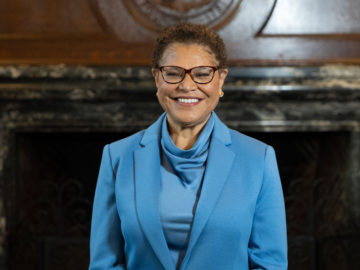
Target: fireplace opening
{"points": [[50, 197]]}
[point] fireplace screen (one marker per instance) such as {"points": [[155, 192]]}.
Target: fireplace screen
{"points": [[49, 203]]}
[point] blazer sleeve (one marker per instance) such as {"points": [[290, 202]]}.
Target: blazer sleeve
{"points": [[268, 243], [106, 241]]}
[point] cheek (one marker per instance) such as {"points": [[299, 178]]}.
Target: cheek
{"points": [[163, 95], [161, 100], [212, 91], [166, 89], [163, 92]]}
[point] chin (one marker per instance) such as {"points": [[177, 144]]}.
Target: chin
{"points": [[191, 121]]}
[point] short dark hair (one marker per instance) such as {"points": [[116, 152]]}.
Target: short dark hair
{"points": [[190, 33]]}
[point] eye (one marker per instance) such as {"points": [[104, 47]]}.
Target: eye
{"points": [[202, 72], [198, 74], [172, 73]]}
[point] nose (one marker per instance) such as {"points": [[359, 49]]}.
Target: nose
{"points": [[187, 84]]}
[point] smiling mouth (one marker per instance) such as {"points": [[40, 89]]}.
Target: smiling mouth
{"points": [[188, 100]]}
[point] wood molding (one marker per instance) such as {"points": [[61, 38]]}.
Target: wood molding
{"points": [[257, 32]]}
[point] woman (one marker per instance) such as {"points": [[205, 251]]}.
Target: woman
{"points": [[188, 192]]}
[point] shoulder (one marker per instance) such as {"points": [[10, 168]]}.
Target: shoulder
{"points": [[116, 152], [255, 156], [125, 147], [247, 144], [238, 142], [127, 144]]}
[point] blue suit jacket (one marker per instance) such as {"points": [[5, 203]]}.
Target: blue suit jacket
{"points": [[239, 221]]}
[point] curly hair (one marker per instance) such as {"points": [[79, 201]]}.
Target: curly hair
{"points": [[189, 33]]}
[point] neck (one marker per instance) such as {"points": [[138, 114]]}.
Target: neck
{"points": [[185, 137]]}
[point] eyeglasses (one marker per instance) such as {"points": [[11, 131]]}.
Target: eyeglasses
{"points": [[174, 74]]}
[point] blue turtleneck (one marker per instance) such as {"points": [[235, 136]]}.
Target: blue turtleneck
{"points": [[181, 177]]}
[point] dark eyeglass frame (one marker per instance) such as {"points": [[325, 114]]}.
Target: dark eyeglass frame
{"points": [[188, 71]]}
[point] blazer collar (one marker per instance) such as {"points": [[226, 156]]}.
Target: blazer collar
{"points": [[147, 187], [153, 132], [221, 132]]}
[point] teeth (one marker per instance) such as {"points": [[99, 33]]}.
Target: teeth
{"points": [[188, 100]]}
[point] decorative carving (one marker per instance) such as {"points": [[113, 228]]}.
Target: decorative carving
{"points": [[182, 6], [157, 14], [331, 18]]}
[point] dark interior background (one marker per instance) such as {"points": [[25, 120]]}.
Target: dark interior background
{"points": [[75, 75]]}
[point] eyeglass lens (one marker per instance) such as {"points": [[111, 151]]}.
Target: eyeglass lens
{"points": [[177, 74]]}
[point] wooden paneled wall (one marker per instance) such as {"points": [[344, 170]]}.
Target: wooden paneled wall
{"points": [[121, 32]]}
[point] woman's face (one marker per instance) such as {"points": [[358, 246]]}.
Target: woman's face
{"points": [[187, 103]]}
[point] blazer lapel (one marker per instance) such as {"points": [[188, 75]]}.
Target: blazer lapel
{"points": [[147, 186], [218, 167]]}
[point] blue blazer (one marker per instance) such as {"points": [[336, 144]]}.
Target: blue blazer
{"points": [[239, 221]]}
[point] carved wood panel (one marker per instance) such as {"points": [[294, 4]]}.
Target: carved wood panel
{"points": [[118, 32], [314, 17]]}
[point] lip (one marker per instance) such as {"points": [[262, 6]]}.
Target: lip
{"points": [[187, 101]]}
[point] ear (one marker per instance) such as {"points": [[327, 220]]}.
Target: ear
{"points": [[155, 72], [222, 75]]}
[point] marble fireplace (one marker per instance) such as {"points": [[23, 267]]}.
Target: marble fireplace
{"points": [[54, 121]]}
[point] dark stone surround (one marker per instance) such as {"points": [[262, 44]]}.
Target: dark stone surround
{"points": [[64, 100]]}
